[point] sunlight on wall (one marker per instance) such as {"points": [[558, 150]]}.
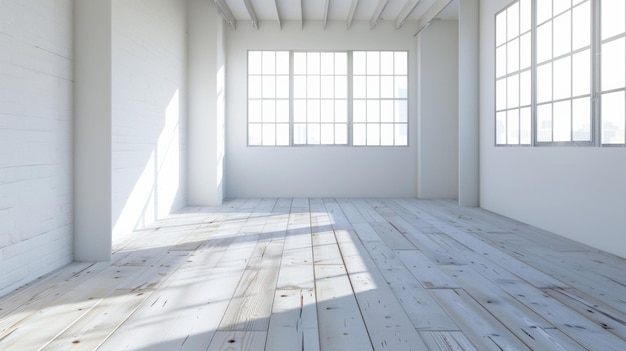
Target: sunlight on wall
{"points": [[155, 191], [221, 127]]}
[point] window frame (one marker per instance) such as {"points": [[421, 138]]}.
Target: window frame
{"points": [[349, 101]]}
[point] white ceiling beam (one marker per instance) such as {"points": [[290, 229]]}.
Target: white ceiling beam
{"points": [[376, 16], [430, 14], [326, 12], [226, 13], [280, 25], [251, 13], [407, 10], [351, 13]]}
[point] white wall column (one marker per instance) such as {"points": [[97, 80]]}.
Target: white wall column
{"points": [[206, 109], [92, 130], [468, 104]]}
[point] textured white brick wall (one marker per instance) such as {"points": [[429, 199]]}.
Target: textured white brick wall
{"points": [[35, 139], [148, 125]]}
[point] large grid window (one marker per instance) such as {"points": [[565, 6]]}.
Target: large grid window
{"points": [[513, 75], [565, 76], [320, 98], [268, 98], [379, 98], [355, 98]]}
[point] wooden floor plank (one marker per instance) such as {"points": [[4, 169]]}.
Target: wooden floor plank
{"points": [[447, 341], [293, 324], [238, 341]]}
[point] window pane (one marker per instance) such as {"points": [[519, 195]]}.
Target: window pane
{"points": [[386, 134], [373, 87], [386, 87], [269, 62], [501, 28], [581, 119], [386, 62], [501, 94], [513, 91], [358, 63], [341, 111], [254, 62], [562, 34], [525, 51], [512, 16], [341, 134], [299, 134], [544, 123], [401, 87], [254, 87], [282, 62], [501, 61], [560, 6], [581, 71], [299, 110], [254, 134], [613, 18], [512, 56], [299, 87], [269, 86], [544, 42], [359, 134], [328, 111], [269, 111], [313, 63], [373, 111], [525, 88], [282, 134], [613, 56], [313, 87], [313, 111], [358, 87], [562, 121], [299, 63], [613, 119], [359, 113], [401, 64], [373, 62], [373, 134], [402, 135], [501, 127], [513, 127], [313, 133], [562, 78], [328, 134], [582, 26], [544, 83], [269, 134], [341, 63], [386, 111], [341, 87], [254, 110], [525, 126], [327, 63], [282, 87], [525, 15], [282, 111], [401, 111], [328, 87]]}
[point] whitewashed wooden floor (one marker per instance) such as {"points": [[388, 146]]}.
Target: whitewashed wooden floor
{"points": [[329, 274]]}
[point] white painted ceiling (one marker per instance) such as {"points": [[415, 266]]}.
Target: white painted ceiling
{"points": [[338, 10]]}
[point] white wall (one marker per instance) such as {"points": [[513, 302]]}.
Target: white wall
{"points": [[149, 46], [438, 53], [318, 170], [206, 68], [576, 192], [35, 139]]}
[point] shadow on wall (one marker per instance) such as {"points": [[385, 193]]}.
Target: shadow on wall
{"points": [[158, 187]]}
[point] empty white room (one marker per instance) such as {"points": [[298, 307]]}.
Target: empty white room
{"points": [[313, 175]]}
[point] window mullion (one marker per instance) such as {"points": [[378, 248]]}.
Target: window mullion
{"points": [[595, 73], [350, 99], [533, 74]]}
